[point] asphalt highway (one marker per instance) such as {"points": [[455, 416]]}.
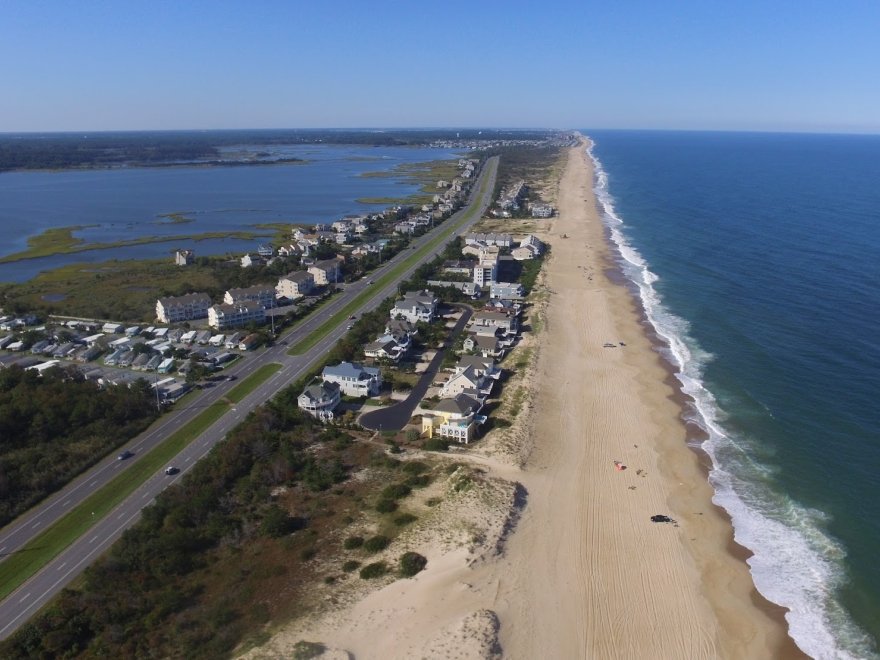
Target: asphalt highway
{"points": [[21, 604]]}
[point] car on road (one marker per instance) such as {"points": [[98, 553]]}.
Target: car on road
{"points": [[231, 377], [370, 282], [353, 316], [171, 470], [349, 326], [124, 455]]}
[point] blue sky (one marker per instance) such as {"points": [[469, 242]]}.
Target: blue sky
{"points": [[681, 64]]}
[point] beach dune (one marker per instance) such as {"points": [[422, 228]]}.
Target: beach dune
{"points": [[585, 572]]}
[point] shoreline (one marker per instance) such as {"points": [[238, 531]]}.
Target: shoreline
{"points": [[682, 593], [694, 437], [581, 570]]}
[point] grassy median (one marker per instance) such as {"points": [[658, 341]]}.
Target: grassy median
{"points": [[43, 548]]}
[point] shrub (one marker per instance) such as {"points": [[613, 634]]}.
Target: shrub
{"points": [[412, 563], [353, 542], [433, 501], [436, 444], [351, 565], [386, 506], [376, 543], [371, 571], [395, 491], [307, 553], [419, 481], [412, 435], [405, 519], [415, 467], [304, 650], [277, 523]]}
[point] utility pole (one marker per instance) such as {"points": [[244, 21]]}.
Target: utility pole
{"points": [[156, 387]]}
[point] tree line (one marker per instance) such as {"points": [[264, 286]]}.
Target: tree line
{"points": [[54, 426]]}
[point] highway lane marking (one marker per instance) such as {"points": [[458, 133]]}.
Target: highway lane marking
{"points": [[93, 483], [33, 604], [119, 517], [25, 597], [35, 525], [93, 539], [188, 459], [145, 495], [63, 564], [2, 549], [66, 502]]}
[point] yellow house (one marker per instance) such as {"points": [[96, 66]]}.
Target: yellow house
{"points": [[454, 419]]}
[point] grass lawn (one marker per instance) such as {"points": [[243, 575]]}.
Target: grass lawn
{"points": [[43, 548]]}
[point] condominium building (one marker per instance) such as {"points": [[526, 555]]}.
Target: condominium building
{"points": [[183, 308]]}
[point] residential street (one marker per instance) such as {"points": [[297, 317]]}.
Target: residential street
{"points": [[395, 417]]}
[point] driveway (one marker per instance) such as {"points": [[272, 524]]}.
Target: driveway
{"points": [[394, 418]]}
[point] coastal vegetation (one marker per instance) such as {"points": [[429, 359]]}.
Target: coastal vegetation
{"points": [[60, 240], [127, 290], [178, 218], [54, 426], [426, 175], [528, 163], [247, 538]]}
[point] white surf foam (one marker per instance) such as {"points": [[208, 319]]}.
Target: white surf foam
{"points": [[795, 564]]}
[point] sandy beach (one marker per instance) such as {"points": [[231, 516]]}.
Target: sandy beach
{"points": [[568, 563]]}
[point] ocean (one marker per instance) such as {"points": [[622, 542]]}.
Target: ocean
{"points": [[110, 205], [757, 258]]}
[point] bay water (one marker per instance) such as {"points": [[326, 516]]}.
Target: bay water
{"points": [[124, 203]]}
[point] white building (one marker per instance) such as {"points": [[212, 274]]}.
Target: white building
{"points": [[416, 306], [320, 400], [230, 316], [325, 272], [295, 285], [183, 308], [354, 379], [261, 293]]}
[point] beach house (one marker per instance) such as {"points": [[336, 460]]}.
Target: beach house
{"points": [[416, 306], [353, 379], [455, 419], [320, 400]]}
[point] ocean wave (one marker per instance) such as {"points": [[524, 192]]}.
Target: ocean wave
{"points": [[795, 564]]}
